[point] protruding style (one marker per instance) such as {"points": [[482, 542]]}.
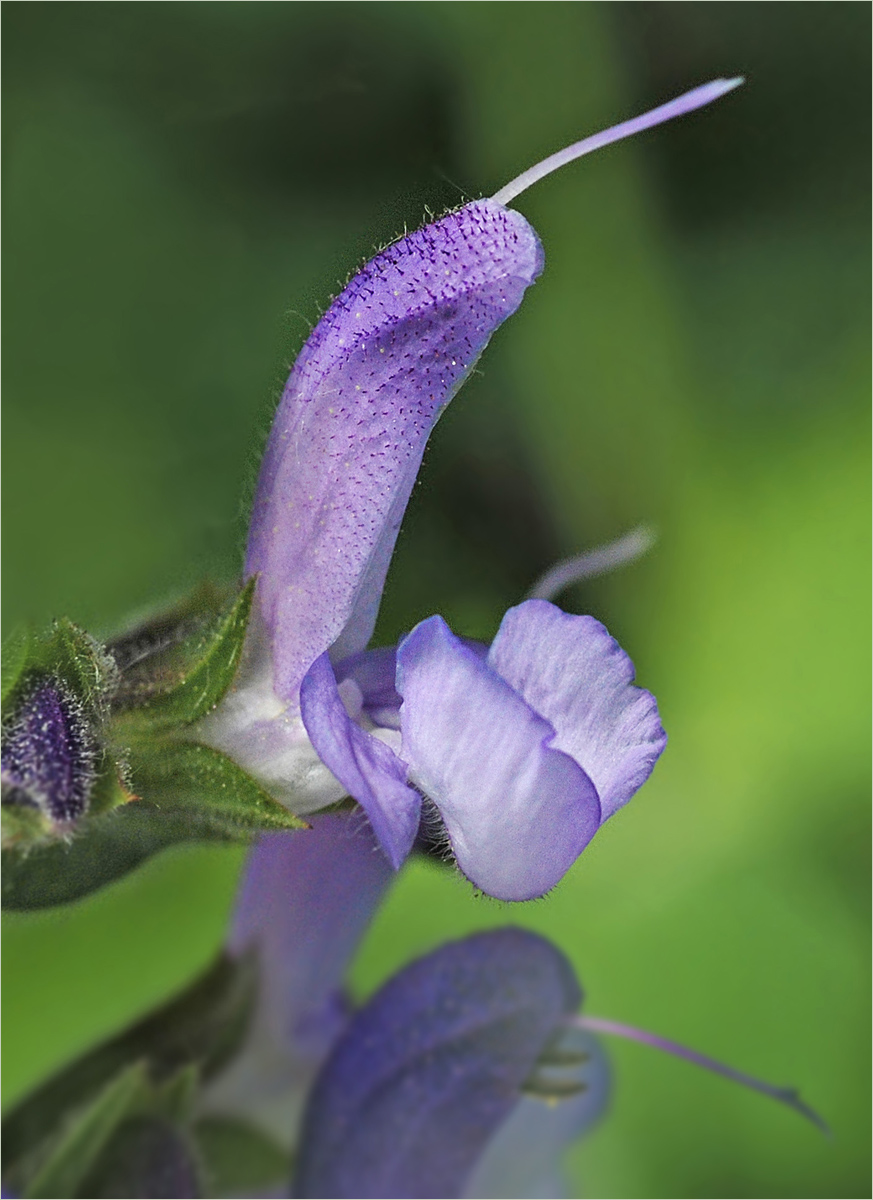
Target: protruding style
{"points": [[686, 103]]}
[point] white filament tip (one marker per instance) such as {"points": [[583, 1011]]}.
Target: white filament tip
{"points": [[593, 562], [696, 98]]}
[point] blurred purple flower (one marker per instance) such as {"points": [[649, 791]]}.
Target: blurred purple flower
{"points": [[467, 1074], [456, 1079], [464, 1074], [305, 901]]}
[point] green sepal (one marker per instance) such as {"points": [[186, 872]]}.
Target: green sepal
{"points": [[188, 792], [168, 767], [167, 1053], [64, 652], [111, 788], [56, 1165], [91, 1151], [181, 776], [239, 1159], [183, 683], [176, 1098]]}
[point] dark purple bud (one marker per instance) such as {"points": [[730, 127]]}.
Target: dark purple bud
{"points": [[431, 1067], [49, 752]]}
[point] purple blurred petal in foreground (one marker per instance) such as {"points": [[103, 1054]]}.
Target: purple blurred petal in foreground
{"points": [[305, 901], [431, 1067]]}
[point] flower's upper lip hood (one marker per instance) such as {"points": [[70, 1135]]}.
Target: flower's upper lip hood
{"points": [[441, 264], [350, 431]]}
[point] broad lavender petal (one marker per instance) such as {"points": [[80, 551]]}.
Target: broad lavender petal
{"points": [[570, 670], [431, 1066], [350, 430], [369, 768], [518, 812]]}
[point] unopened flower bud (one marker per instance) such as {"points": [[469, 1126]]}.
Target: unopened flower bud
{"points": [[49, 752]]}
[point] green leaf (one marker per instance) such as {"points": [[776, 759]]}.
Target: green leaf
{"points": [[194, 1034], [87, 1133], [238, 1158], [187, 776]]}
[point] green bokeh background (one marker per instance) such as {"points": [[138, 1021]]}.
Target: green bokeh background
{"points": [[186, 184]]}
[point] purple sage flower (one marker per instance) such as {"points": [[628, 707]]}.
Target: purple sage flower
{"points": [[526, 749], [468, 1075]]}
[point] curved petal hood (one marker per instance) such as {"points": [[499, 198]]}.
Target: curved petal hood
{"points": [[352, 424]]}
